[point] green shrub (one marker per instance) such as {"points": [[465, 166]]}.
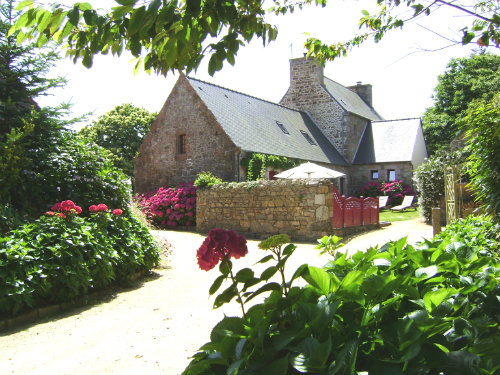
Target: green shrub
{"points": [[429, 180], [207, 179], [482, 123], [478, 233], [433, 308], [56, 259]]}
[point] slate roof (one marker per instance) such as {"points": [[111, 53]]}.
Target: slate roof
{"points": [[251, 123], [388, 141], [350, 101]]}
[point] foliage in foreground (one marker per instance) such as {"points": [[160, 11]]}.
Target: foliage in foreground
{"points": [[427, 309], [62, 256], [175, 35]]}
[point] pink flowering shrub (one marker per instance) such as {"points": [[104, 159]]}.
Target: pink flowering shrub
{"points": [[170, 206], [395, 190], [64, 209]]}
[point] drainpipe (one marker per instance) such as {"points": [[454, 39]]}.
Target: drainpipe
{"points": [[238, 156]]}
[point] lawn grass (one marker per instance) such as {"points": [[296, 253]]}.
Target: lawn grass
{"points": [[390, 216]]}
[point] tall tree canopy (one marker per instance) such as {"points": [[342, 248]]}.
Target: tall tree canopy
{"points": [[175, 34], [121, 131], [465, 80]]}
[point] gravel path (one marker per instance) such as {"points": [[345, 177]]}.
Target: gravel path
{"points": [[156, 326]]}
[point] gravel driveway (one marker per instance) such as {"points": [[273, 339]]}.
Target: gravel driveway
{"points": [[156, 326]]}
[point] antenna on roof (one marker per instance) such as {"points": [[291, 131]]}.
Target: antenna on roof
{"points": [[291, 50]]}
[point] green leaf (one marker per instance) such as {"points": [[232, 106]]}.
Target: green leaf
{"points": [[120, 12], [268, 273], [24, 4], [426, 272], [266, 288], [279, 366], [216, 284], [434, 298], [319, 279], [126, 2], [265, 259], [136, 20], [244, 275], [74, 16], [225, 266]]}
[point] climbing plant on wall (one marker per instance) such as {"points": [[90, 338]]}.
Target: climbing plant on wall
{"points": [[257, 163]]}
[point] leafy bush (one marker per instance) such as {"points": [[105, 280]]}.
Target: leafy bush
{"points": [[476, 232], [256, 164], [482, 122], [395, 190], [169, 206], [62, 256], [65, 167], [429, 180], [428, 309], [206, 179]]}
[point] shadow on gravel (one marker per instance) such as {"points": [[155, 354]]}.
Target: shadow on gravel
{"points": [[83, 304]]}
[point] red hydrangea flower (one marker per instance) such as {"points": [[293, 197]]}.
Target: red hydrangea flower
{"points": [[61, 215], [67, 206], [102, 207], [50, 213], [117, 212], [219, 244]]}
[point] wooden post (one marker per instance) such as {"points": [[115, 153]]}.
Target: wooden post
{"points": [[436, 220]]}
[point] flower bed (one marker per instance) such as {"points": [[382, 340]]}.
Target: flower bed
{"points": [[395, 190], [62, 255], [170, 207]]}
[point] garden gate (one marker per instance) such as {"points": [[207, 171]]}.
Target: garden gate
{"points": [[450, 193], [354, 212]]}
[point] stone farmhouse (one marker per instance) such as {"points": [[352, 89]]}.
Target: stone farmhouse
{"points": [[204, 127]]}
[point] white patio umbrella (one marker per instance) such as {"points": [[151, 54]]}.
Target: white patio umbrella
{"points": [[309, 171]]}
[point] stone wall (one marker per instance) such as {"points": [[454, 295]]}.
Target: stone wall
{"points": [[301, 209], [208, 148]]}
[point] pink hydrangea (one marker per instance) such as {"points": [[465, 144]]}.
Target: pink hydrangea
{"points": [[220, 243]]}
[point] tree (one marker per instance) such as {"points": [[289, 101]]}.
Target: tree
{"points": [[482, 126], [465, 80], [174, 35], [121, 131], [41, 162]]}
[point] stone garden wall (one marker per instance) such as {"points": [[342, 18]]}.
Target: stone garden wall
{"points": [[298, 208]]}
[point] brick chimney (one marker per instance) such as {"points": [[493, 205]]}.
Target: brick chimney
{"points": [[364, 91]]}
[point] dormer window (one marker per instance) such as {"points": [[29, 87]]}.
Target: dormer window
{"points": [[308, 138], [282, 127]]}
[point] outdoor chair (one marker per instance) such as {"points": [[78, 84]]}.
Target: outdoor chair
{"points": [[407, 203], [382, 202]]}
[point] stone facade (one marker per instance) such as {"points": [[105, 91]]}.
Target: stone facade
{"points": [[301, 209], [306, 93], [361, 174], [207, 147]]}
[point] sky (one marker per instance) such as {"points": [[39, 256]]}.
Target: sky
{"points": [[403, 68]]}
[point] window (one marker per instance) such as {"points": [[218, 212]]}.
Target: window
{"points": [[374, 175], [282, 127], [391, 175], [308, 138], [181, 144]]}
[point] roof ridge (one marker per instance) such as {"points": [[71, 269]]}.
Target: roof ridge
{"points": [[247, 95], [399, 119]]}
